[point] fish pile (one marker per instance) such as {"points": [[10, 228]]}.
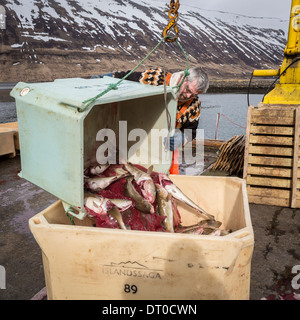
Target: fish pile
{"points": [[131, 197]]}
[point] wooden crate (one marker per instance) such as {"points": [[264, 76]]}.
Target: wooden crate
{"points": [[272, 163], [7, 144], [13, 126]]}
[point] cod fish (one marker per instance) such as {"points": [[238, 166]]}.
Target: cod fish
{"points": [[219, 232], [144, 180], [208, 224], [140, 203], [121, 204], [165, 207], [206, 227], [101, 205], [98, 204], [115, 212], [96, 170], [100, 183], [206, 231], [179, 195]]}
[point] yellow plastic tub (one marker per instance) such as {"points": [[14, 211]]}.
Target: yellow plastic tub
{"points": [[85, 262]]}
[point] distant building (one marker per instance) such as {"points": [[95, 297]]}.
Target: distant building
{"points": [[2, 18]]}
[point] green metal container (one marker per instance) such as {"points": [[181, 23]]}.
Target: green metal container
{"points": [[58, 135]]}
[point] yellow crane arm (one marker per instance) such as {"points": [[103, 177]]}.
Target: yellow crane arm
{"points": [[293, 44], [287, 91], [266, 73]]}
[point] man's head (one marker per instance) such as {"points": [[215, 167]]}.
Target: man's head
{"points": [[195, 83]]}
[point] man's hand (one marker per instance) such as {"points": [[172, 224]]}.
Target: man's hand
{"points": [[176, 141]]}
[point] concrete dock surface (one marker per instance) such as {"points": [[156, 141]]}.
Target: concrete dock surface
{"points": [[275, 265]]}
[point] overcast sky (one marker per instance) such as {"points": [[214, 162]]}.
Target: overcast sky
{"points": [[258, 8]]}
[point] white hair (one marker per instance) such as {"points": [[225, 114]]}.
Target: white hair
{"points": [[199, 74]]}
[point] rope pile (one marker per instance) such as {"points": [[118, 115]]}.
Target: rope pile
{"points": [[231, 157]]}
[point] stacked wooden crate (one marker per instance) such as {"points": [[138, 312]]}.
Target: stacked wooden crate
{"points": [[7, 144], [272, 163], [14, 127]]}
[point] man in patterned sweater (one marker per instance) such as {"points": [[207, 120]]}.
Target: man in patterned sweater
{"points": [[189, 104]]}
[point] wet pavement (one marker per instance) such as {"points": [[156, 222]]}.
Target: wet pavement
{"points": [[19, 253], [275, 261]]}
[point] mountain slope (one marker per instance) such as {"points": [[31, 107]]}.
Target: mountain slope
{"points": [[49, 39]]}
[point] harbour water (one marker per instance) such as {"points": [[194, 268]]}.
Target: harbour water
{"points": [[231, 107], [233, 114]]}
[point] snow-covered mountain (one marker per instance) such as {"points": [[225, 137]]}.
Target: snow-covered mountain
{"points": [[49, 39]]}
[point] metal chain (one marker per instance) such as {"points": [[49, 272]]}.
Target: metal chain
{"points": [[173, 16]]}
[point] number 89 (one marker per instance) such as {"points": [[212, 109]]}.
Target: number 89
{"points": [[130, 289]]}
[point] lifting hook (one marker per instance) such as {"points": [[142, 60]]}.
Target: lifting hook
{"points": [[173, 16]]}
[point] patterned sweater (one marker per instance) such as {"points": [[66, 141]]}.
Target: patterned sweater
{"points": [[188, 112]]}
